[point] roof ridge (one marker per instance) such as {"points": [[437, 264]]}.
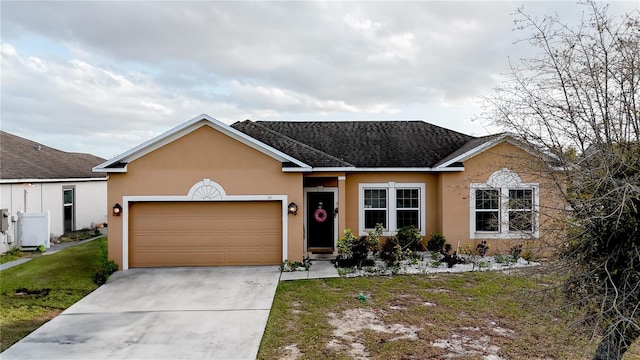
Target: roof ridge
{"points": [[256, 123]]}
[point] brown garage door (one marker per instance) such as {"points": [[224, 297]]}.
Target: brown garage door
{"points": [[205, 233]]}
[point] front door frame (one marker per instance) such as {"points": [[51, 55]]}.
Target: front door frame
{"points": [[72, 205], [330, 189]]}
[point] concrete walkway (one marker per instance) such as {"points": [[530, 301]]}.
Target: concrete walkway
{"points": [[319, 269], [51, 250], [161, 313]]}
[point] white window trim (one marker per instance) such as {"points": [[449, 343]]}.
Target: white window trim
{"points": [[504, 180], [391, 205]]}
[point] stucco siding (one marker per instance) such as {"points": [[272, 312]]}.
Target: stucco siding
{"points": [[431, 211], [205, 153], [455, 195]]}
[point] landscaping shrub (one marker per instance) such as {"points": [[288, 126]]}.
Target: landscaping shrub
{"points": [[103, 272], [436, 242], [354, 251], [409, 238], [106, 267], [452, 259], [391, 252], [515, 252], [482, 248]]}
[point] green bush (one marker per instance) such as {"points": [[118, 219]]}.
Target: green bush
{"points": [[345, 244], [515, 252], [103, 272], [409, 238], [355, 251], [391, 252], [482, 248], [106, 267], [436, 242]]}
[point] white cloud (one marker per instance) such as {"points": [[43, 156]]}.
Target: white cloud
{"points": [[105, 76]]}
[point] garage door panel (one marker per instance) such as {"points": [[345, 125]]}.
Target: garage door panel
{"points": [[205, 233]]}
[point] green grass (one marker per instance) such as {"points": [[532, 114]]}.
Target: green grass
{"points": [[470, 305], [36, 291], [13, 254]]}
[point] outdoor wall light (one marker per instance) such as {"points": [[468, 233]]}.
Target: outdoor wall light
{"points": [[293, 208], [117, 209]]}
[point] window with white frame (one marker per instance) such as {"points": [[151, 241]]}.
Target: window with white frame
{"points": [[520, 210], [487, 210], [504, 207], [407, 208], [394, 205], [375, 208]]}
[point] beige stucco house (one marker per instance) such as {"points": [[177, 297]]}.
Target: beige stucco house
{"points": [[206, 193]]}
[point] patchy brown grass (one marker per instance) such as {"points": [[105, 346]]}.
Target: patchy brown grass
{"points": [[467, 316], [21, 328]]}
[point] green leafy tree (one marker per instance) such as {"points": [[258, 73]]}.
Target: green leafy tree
{"points": [[578, 102]]}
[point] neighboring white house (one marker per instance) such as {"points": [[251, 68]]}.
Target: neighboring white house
{"points": [[36, 178]]}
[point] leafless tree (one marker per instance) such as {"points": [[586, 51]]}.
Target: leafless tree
{"points": [[578, 101]]}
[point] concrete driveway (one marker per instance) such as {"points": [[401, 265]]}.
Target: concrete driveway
{"points": [[163, 313]]}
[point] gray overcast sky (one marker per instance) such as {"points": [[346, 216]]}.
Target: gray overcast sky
{"points": [[102, 77]]}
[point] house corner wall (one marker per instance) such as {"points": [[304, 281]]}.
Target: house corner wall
{"points": [[455, 194]]}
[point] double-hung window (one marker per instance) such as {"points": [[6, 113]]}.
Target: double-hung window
{"points": [[394, 205], [375, 208], [408, 208], [504, 207], [520, 210], [487, 211]]}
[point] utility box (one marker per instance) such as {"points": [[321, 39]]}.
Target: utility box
{"points": [[5, 220]]}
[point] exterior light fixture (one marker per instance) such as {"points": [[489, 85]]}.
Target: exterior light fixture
{"points": [[117, 209], [293, 208]]}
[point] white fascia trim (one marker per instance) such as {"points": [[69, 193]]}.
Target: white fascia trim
{"points": [[168, 198], [98, 169], [186, 128], [511, 139], [392, 227], [363, 169], [22, 181], [473, 152]]}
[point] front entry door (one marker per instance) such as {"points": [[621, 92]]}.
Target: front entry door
{"points": [[320, 220]]}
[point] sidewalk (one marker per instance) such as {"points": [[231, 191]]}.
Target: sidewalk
{"points": [[51, 250], [319, 269]]}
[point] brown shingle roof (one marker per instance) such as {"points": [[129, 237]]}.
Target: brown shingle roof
{"points": [[25, 159]]}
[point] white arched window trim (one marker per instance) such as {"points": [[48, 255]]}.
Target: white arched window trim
{"points": [[503, 181]]}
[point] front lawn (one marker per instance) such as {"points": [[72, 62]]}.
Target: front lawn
{"points": [[35, 292], [474, 315]]}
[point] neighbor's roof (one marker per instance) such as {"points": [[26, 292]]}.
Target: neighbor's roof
{"points": [[25, 159], [361, 144]]}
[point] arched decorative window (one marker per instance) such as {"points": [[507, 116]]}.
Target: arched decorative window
{"points": [[206, 190], [504, 207]]}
